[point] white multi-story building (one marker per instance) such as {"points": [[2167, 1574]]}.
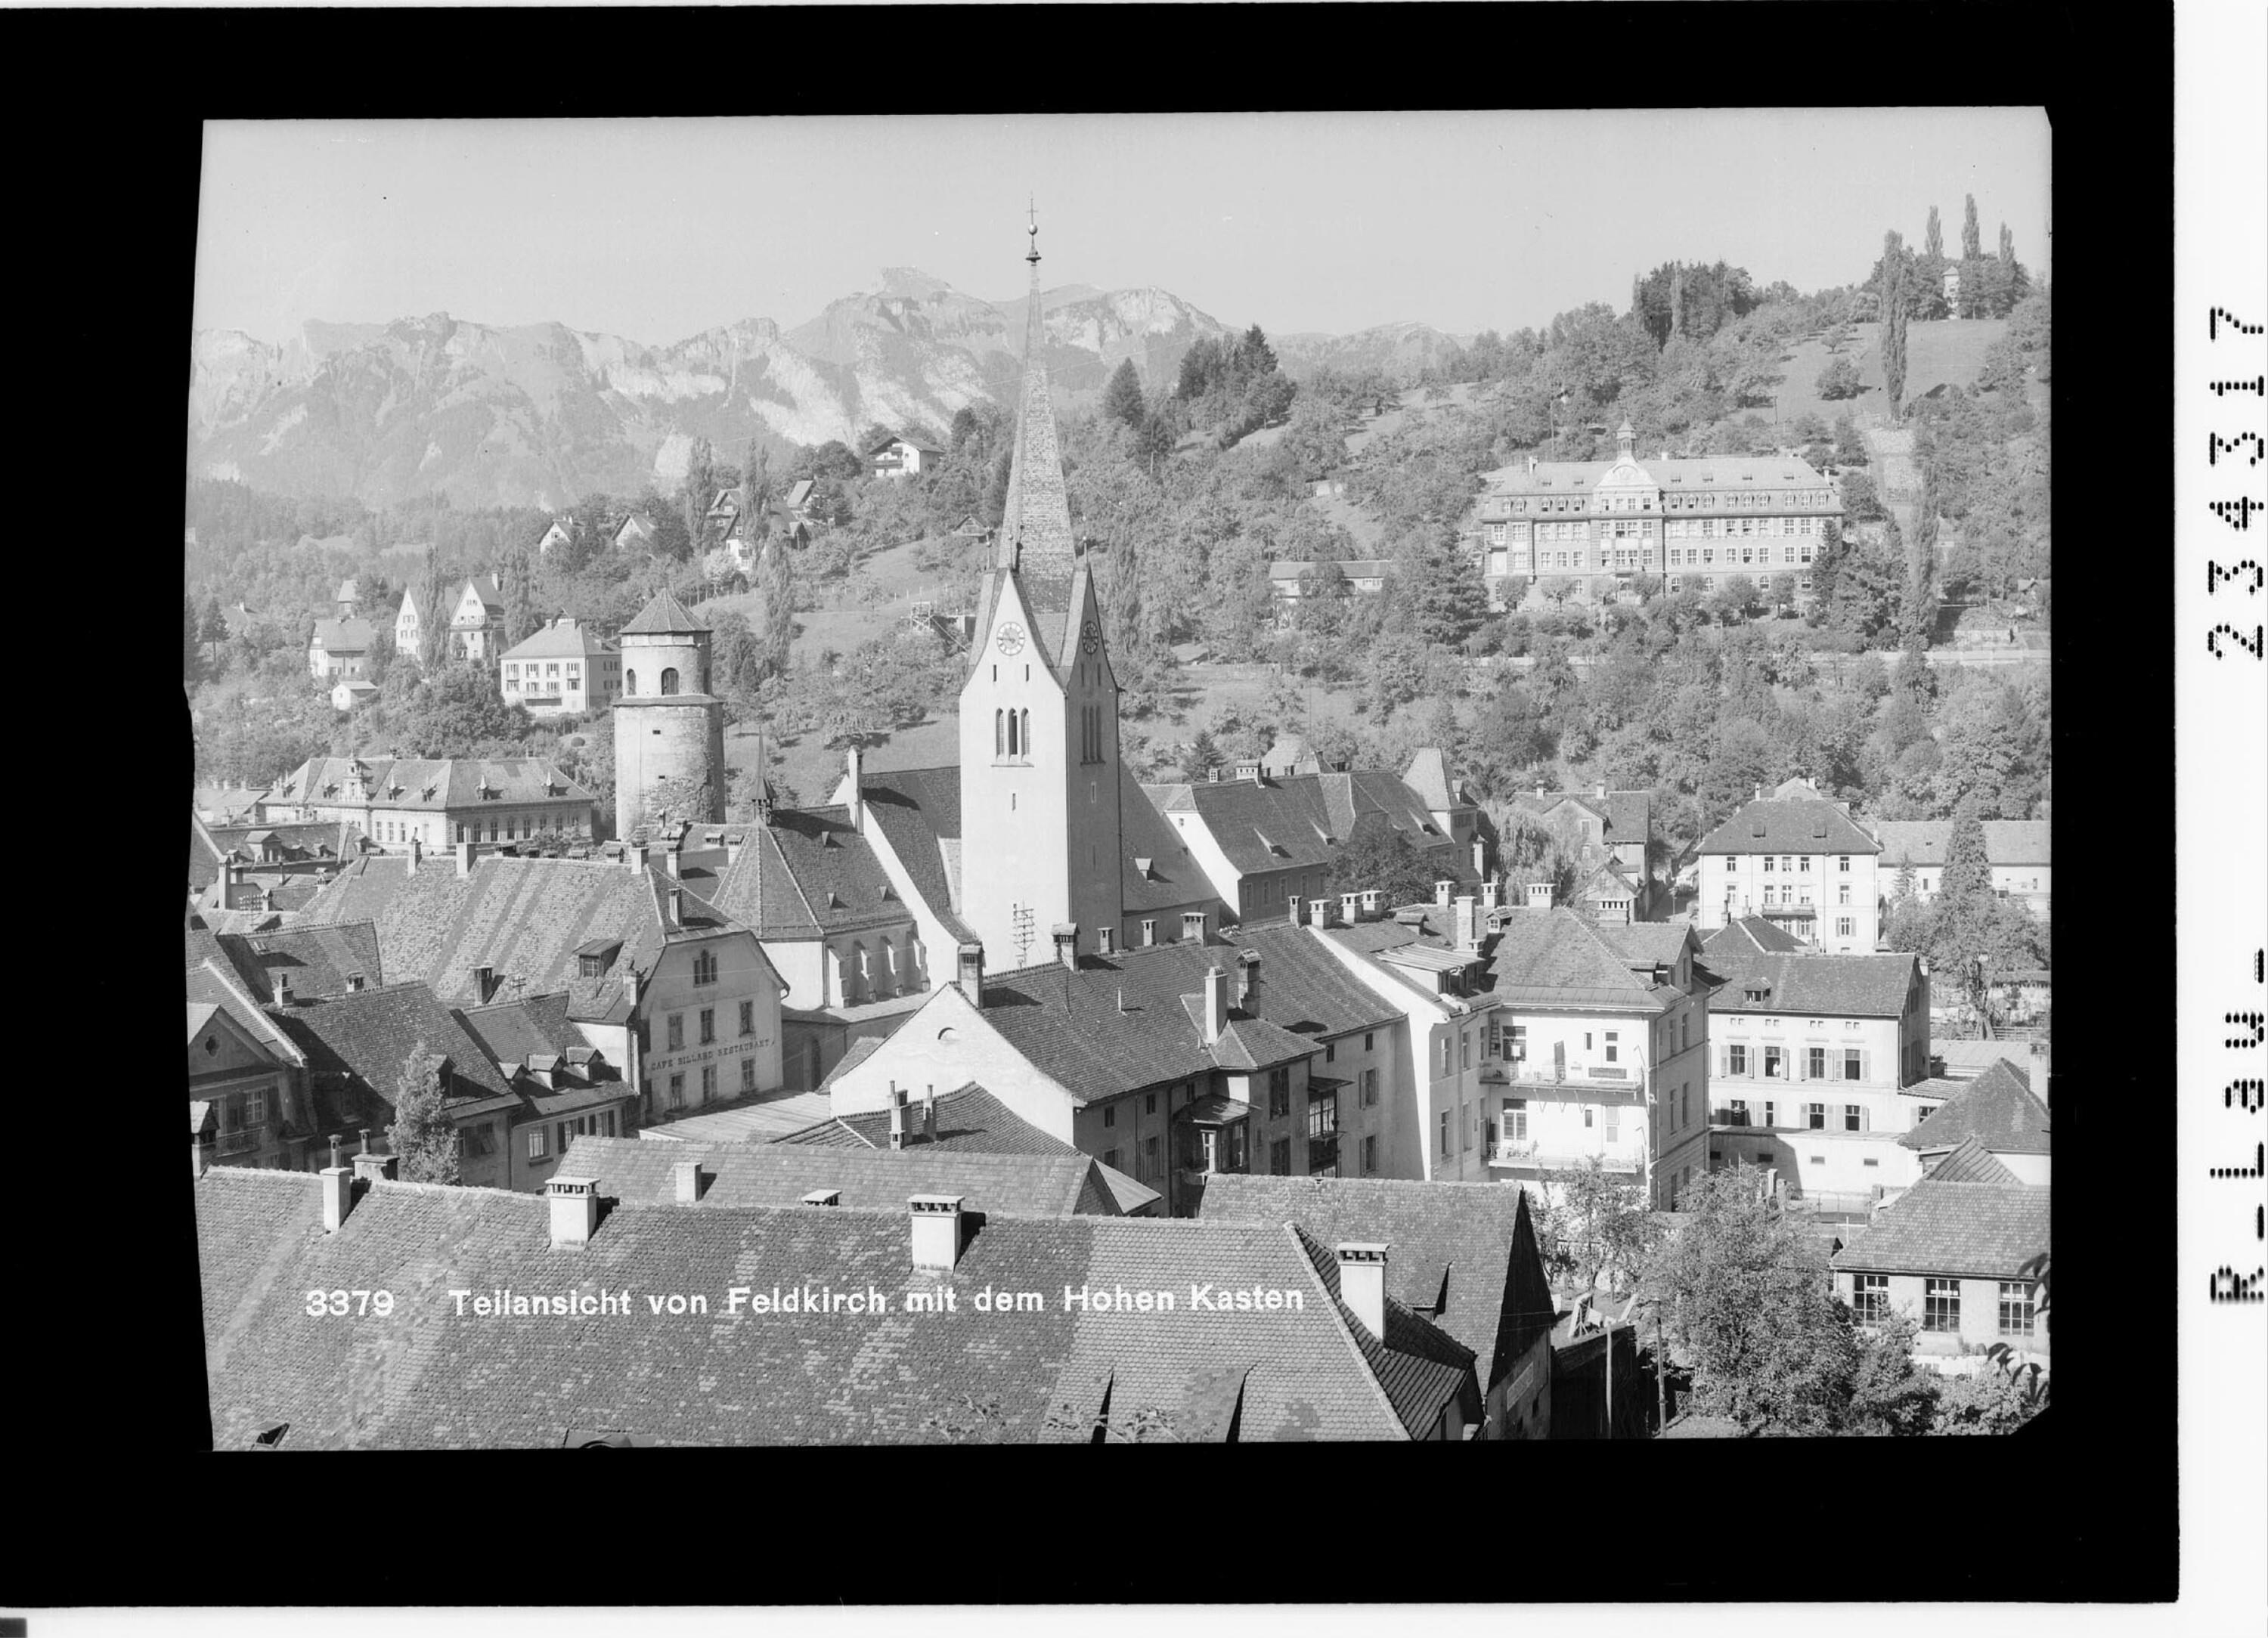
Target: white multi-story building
{"points": [[1798, 860], [561, 669]]}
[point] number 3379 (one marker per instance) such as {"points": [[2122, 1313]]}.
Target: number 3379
{"points": [[339, 1305]]}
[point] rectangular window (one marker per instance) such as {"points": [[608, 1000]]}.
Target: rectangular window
{"points": [[1445, 1133], [676, 1032], [1685, 1104], [539, 1142], [1853, 1118], [1465, 1049], [1589, 1112], [1614, 1123], [1805, 863], [1280, 1092], [1816, 1063], [1370, 1153], [677, 1091], [1515, 1119], [1844, 863], [1736, 1061], [1771, 1113], [1771, 1063], [1852, 1060], [1322, 1131], [705, 968], [1110, 1114], [708, 1082], [1940, 1306], [1768, 863], [708, 1026], [1150, 1103], [1816, 1117], [1369, 1089], [1843, 927], [1111, 1159], [1149, 933], [748, 1017], [1369, 1040], [1331, 1052], [1845, 897], [256, 1109], [747, 1074], [1149, 1157], [1736, 1112], [2016, 1308], [1614, 1048], [1445, 1054], [1279, 1158]]}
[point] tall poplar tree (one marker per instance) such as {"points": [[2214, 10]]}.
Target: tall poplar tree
{"points": [[520, 618], [1972, 244], [421, 1133], [433, 613], [2007, 246], [1894, 319], [1933, 237], [774, 622], [1676, 300], [192, 665]]}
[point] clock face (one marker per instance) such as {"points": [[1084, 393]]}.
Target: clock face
{"points": [[1011, 639], [1090, 637]]}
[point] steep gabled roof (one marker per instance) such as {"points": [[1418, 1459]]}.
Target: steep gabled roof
{"points": [[1989, 1230], [845, 1378], [919, 811], [1998, 1109], [781, 1175], [968, 1117], [665, 614], [1970, 1162], [806, 874], [1557, 958], [1471, 1244], [343, 636], [1750, 934], [1422, 1369], [356, 1044], [318, 961]]}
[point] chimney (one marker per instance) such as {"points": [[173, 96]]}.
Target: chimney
{"points": [[1298, 907], [1247, 978], [369, 1168], [634, 855], [1539, 895], [1066, 938], [574, 1209], [1193, 926], [971, 972], [689, 1181], [936, 1231], [2038, 1068], [928, 1112], [1539, 790], [857, 809], [631, 986], [897, 1116], [1213, 776], [484, 985], [1348, 908], [338, 1197], [673, 857], [1467, 922], [1319, 913], [824, 1197], [464, 858], [1490, 891], [335, 1159], [1216, 1002], [1371, 901], [1601, 791], [732, 845], [1760, 793], [1362, 1284], [280, 988], [1441, 892], [676, 900], [416, 852], [1105, 941], [1480, 856]]}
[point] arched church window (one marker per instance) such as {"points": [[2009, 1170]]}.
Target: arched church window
{"points": [[629, 682], [1012, 734], [669, 680], [999, 734], [1026, 718]]}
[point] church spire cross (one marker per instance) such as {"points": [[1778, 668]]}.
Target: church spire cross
{"points": [[1033, 254]]}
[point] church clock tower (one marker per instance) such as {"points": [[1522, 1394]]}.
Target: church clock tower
{"points": [[1039, 713]]}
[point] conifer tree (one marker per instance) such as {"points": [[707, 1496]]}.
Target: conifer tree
{"points": [[192, 666], [1972, 242], [520, 618], [421, 1133], [433, 598], [775, 617], [1122, 400], [1933, 237], [2007, 246], [1894, 321], [1676, 300]]}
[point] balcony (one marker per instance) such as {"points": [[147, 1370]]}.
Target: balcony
{"points": [[242, 1141], [1580, 1077], [1525, 1155]]}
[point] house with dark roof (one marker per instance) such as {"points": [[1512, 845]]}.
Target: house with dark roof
{"points": [[1268, 845], [636, 534], [968, 1118], [1963, 1259], [338, 649], [1813, 1055], [248, 1078], [438, 803], [1613, 826], [512, 1321], [568, 1090], [289, 964], [234, 866], [901, 458], [682, 1000], [1798, 858], [1463, 1255], [1999, 1112], [1173, 1063], [475, 617], [2016, 854], [561, 668], [1751, 936]]}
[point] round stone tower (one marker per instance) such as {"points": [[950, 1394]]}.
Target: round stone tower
{"points": [[669, 730]]}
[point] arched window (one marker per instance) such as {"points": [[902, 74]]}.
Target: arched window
{"points": [[1026, 718], [669, 680], [1012, 734], [886, 969], [629, 682], [999, 734]]}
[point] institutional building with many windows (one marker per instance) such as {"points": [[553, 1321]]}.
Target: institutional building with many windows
{"points": [[1694, 522]]}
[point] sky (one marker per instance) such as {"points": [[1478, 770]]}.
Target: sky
{"points": [[656, 230]]}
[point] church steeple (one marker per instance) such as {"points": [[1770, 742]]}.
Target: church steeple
{"points": [[1036, 538]]}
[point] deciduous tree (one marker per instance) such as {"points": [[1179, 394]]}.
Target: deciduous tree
{"points": [[421, 1133]]}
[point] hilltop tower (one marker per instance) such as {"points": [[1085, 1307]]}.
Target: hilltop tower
{"points": [[669, 730], [1039, 712]]}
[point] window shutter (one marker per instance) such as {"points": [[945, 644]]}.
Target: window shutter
{"points": [[1723, 1063], [1865, 1119], [1866, 1066]]}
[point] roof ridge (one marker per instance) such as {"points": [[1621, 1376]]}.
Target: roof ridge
{"points": [[1301, 1240]]}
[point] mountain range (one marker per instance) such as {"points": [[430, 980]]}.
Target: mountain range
{"points": [[540, 413]]}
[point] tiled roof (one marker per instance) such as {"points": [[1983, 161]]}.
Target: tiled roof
{"points": [[1306, 819], [1428, 777], [212, 980], [1972, 1058], [1557, 958], [1175, 878], [1970, 1162], [1792, 826], [1422, 1369], [640, 1173], [918, 810], [1925, 841], [1626, 816], [1998, 1109], [344, 636], [1352, 568], [1125, 1021], [425, 783], [524, 918], [317, 960], [666, 615], [356, 1044], [519, 1032], [1985, 1229], [1729, 473], [560, 639], [806, 874], [968, 1118], [1473, 1241], [1648, 943], [1821, 985], [430, 1379], [1750, 934]]}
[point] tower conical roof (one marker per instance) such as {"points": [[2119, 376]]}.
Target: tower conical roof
{"points": [[1036, 538], [666, 614]]}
